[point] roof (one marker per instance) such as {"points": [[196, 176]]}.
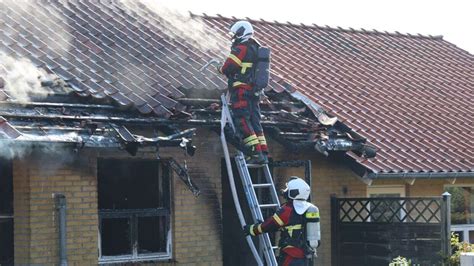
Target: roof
{"points": [[410, 96]]}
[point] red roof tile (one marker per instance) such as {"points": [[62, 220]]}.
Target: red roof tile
{"points": [[106, 49]]}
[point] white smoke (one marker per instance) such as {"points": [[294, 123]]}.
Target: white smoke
{"points": [[55, 36], [22, 79], [177, 25], [26, 144]]}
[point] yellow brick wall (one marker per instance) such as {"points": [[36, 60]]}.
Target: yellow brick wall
{"points": [[196, 222], [21, 207], [328, 178], [36, 179]]}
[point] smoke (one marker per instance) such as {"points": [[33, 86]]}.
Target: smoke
{"points": [[179, 25], [26, 144], [22, 80], [54, 35]]}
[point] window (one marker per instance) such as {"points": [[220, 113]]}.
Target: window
{"points": [[6, 213], [382, 211], [134, 210], [462, 211]]}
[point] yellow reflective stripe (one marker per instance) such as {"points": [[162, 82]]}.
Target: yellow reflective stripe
{"points": [[278, 220], [237, 83], [294, 227], [251, 230], [252, 143], [290, 228], [250, 138], [235, 59], [312, 215], [245, 65], [262, 140], [259, 228]]}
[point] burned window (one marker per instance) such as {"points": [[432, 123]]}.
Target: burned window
{"points": [[6, 213], [134, 210]]}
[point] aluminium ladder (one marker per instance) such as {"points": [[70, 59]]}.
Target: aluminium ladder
{"points": [[250, 188]]}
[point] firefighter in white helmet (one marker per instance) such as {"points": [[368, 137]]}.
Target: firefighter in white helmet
{"points": [[299, 221], [240, 69]]}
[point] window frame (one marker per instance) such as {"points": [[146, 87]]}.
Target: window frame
{"points": [[462, 228], [133, 215], [387, 189]]}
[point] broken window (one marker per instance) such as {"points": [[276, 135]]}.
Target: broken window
{"points": [[134, 210], [6, 213]]}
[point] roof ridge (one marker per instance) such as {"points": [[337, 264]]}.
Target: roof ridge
{"points": [[326, 27]]}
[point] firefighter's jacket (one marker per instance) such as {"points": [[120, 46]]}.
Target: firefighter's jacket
{"points": [[293, 236], [238, 67]]}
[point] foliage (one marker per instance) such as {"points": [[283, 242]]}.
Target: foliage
{"points": [[400, 261], [458, 247]]}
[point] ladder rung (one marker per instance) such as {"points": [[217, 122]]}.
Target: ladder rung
{"points": [[275, 247], [264, 185], [266, 206], [255, 165]]}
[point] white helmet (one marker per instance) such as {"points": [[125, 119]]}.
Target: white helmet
{"points": [[241, 31], [297, 189]]}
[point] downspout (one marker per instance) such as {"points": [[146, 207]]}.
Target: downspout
{"points": [[61, 208]]}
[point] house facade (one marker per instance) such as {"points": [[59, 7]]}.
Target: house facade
{"points": [[126, 128]]}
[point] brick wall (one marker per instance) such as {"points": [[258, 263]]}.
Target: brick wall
{"points": [[196, 222], [328, 177], [36, 179]]}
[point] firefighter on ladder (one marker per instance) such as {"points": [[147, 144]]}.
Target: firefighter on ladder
{"points": [[299, 221], [239, 68]]}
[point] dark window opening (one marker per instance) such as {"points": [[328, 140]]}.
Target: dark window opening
{"points": [[134, 210], [6, 213]]}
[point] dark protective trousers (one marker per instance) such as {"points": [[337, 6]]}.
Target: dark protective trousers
{"points": [[247, 115]]}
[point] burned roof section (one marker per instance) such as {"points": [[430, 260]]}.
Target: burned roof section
{"points": [[125, 55]]}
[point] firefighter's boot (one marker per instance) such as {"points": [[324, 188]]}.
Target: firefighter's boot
{"points": [[257, 158]]}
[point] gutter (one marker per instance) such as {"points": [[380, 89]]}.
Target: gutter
{"points": [[437, 175]]}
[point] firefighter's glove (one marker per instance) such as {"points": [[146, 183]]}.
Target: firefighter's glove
{"points": [[249, 229]]}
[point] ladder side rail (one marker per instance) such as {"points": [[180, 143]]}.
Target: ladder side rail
{"points": [[249, 192], [253, 249], [272, 189], [254, 207], [265, 238]]}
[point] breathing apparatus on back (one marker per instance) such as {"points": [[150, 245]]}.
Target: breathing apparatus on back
{"points": [[298, 191], [241, 32]]}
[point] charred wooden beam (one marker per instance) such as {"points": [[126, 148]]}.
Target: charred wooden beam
{"points": [[151, 121], [217, 112], [198, 101], [183, 174], [132, 142], [59, 105]]}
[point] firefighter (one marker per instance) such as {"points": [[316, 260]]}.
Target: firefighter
{"points": [[298, 220], [244, 100]]}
